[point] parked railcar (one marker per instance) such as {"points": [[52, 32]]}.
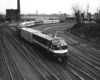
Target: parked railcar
{"points": [[47, 21], [50, 21], [37, 23], [56, 47], [55, 21]]}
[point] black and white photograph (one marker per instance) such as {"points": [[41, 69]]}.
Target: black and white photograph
{"points": [[49, 39]]}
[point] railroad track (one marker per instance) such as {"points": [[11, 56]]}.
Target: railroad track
{"points": [[91, 71], [4, 72], [82, 65], [92, 56], [73, 76], [86, 76], [42, 27], [40, 67], [9, 68], [88, 68], [34, 54], [69, 67], [91, 62]]}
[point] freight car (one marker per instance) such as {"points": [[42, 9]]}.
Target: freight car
{"points": [[56, 47]]}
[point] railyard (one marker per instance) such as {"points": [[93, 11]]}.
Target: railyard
{"points": [[20, 60]]}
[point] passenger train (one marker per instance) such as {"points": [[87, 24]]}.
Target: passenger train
{"points": [[56, 47], [40, 22]]}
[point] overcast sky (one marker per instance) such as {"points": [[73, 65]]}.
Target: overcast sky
{"points": [[49, 6]]}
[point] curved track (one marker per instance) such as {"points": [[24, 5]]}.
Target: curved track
{"points": [[83, 62], [8, 72], [42, 69], [31, 56]]}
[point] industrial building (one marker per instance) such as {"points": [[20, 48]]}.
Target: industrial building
{"points": [[13, 14]]}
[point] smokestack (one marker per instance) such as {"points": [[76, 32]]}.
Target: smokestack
{"points": [[18, 9], [18, 5]]}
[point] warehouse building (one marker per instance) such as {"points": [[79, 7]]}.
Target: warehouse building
{"points": [[11, 14]]}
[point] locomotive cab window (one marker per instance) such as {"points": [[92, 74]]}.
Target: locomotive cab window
{"points": [[59, 44]]}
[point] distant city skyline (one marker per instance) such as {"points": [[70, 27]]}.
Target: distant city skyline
{"points": [[49, 6]]}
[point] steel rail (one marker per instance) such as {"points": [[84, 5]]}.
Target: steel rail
{"points": [[37, 60], [29, 59], [13, 59]]}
